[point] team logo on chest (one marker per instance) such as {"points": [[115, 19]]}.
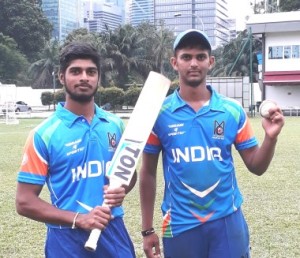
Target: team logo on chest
{"points": [[112, 141], [219, 130]]}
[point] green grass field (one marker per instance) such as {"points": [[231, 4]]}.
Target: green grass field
{"points": [[271, 207]]}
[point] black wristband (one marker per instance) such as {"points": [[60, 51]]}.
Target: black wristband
{"points": [[147, 232]]}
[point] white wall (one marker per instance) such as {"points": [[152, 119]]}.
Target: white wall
{"points": [[26, 94], [285, 96], [7, 93], [238, 88], [30, 96]]}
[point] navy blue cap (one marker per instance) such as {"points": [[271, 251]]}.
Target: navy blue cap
{"points": [[193, 34]]}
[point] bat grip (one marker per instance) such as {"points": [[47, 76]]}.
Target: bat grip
{"points": [[91, 243]]}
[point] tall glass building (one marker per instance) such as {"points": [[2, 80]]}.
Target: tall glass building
{"points": [[102, 15], [64, 15], [142, 10], [178, 15]]}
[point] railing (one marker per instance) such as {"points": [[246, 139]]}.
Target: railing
{"points": [[291, 111]]}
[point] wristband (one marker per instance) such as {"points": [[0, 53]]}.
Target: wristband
{"points": [[74, 220], [148, 232]]}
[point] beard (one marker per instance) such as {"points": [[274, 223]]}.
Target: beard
{"points": [[81, 98], [194, 83]]}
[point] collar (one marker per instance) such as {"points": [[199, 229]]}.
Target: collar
{"points": [[69, 118], [215, 102]]}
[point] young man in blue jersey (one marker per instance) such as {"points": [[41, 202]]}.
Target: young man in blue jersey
{"points": [[70, 152], [195, 131]]}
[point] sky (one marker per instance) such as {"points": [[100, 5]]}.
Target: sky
{"points": [[239, 9]]}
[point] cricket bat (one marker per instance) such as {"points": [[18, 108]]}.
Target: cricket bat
{"points": [[134, 138]]}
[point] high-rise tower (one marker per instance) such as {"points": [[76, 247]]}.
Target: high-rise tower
{"points": [[64, 15]]}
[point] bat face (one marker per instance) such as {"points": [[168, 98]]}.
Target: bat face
{"points": [[138, 129], [125, 161]]}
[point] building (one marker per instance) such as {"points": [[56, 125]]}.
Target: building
{"points": [[103, 14], [95, 15], [280, 71], [141, 11], [64, 15], [179, 15], [232, 29], [127, 11]]}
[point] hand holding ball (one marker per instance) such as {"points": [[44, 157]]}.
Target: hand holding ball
{"points": [[265, 106]]}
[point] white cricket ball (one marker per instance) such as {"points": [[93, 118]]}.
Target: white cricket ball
{"points": [[265, 106]]}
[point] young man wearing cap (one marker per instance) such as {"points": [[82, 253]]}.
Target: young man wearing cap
{"points": [[195, 132]]}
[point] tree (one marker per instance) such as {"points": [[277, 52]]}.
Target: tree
{"points": [[121, 51], [12, 63], [43, 70], [47, 98], [258, 7], [162, 47], [83, 35], [234, 58], [157, 47], [289, 5], [131, 95], [60, 96], [112, 95], [129, 53], [284, 6], [25, 23]]}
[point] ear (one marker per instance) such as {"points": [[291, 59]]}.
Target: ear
{"points": [[173, 62], [61, 78], [211, 62]]}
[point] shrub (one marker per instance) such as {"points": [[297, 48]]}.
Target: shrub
{"points": [[131, 95], [47, 98], [112, 95], [60, 96]]}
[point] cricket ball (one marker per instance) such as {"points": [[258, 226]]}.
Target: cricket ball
{"points": [[265, 106]]}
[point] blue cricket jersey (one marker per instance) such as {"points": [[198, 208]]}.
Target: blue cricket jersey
{"points": [[199, 173], [71, 156]]}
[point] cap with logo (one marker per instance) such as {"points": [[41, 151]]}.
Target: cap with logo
{"points": [[192, 34]]}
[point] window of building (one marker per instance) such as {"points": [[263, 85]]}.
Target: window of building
{"points": [[276, 52], [284, 52], [296, 51], [287, 52]]}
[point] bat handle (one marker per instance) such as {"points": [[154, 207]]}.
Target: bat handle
{"points": [[91, 243]]}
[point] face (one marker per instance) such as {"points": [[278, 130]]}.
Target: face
{"points": [[192, 65], [80, 80]]}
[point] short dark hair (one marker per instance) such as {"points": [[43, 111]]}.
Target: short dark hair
{"points": [[78, 50]]}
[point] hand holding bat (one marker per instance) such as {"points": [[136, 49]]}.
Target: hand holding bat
{"points": [[114, 197], [98, 217], [91, 243]]}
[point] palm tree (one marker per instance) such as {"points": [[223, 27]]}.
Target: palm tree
{"points": [[121, 53], [234, 58], [162, 47], [41, 72], [157, 46]]}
